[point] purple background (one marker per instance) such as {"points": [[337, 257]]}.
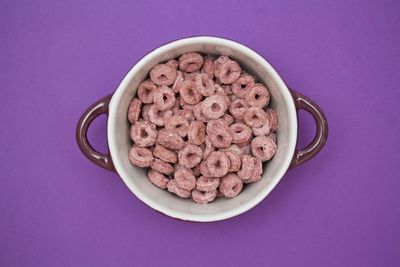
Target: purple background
{"points": [[58, 209]]}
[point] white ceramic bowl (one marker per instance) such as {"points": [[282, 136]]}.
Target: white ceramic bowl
{"points": [[284, 101]]}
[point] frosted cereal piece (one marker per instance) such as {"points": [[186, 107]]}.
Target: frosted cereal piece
{"points": [[273, 119], [173, 187], [229, 72], [218, 64], [231, 185], [165, 154], [252, 180], [263, 148], [203, 169], [178, 124], [185, 179], [242, 85], [241, 133], [219, 133], [208, 67], [163, 74], [214, 107], [190, 62], [237, 108], [201, 197], [251, 168], [140, 156], [234, 160], [164, 98], [196, 171], [263, 130], [161, 166], [197, 132], [145, 112], [207, 184], [159, 117], [189, 93], [226, 98], [185, 105], [272, 136], [143, 133], [204, 85], [190, 156], [255, 117], [258, 96], [146, 91], [198, 113], [158, 179], [134, 110], [178, 82], [170, 140], [173, 63], [187, 114], [208, 148], [228, 119], [217, 164], [234, 148], [190, 76]]}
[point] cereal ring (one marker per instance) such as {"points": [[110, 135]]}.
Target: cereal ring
{"points": [[178, 82], [253, 179], [273, 118], [219, 133], [173, 63], [173, 187], [196, 171], [163, 74], [203, 169], [234, 148], [165, 154], [161, 166], [189, 93], [237, 108], [243, 85], [190, 156], [228, 119], [204, 85], [198, 113], [255, 117], [140, 156], [263, 148], [159, 117], [231, 185], [178, 124], [190, 62], [263, 130], [197, 132], [164, 98], [157, 178], [218, 64], [229, 72], [134, 110], [234, 160], [143, 133], [226, 98], [214, 107], [217, 164], [185, 179], [145, 112], [207, 184], [201, 197], [241, 133], [170, 140], [208, 67], [146, 91], [272, 136], [251, 168], [258, 96], [209, 147]]}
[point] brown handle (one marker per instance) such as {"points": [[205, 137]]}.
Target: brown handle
{"points": [[304, 154], [95, 110]]}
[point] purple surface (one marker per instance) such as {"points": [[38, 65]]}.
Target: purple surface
{"points": [[59, 209]]}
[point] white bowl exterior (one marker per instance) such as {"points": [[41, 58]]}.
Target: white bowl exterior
{"points": [[162, 200]]}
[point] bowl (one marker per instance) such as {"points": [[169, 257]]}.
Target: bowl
{"points": [[286, 103]]}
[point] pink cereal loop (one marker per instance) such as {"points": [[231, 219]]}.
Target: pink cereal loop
{"points": [[273, 118], [185, 179], [203, 169], [140, 156], [134, 110], [189, 93], [258, 96], [190, 156], [173, 187], [237, 108], [219, 133], [204, 85], [146, 91], [255, 117], [263, 148], [208, 67], [190, 62], [170, 140], [251, 168], [243, 85], [231, 185], [209, 147], [234, 160], [228, 119], [218, 64], [165, 154], [143, 133], [162, 166], [157, 178], [163, 74], [197, 132], [263, 130], [173, 63], [207, 184], [178, 124], [164, 98], [229, 72], [214, 107], [217, 164], [178, 82], [159, 117], [201, 197], [241, 133], [145, 112], [198, 113]]}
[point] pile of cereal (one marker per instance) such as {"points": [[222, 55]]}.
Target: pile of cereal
{"points": [[202, 126]]}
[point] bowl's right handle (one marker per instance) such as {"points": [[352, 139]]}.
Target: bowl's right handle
{"points": [[304, 154]]}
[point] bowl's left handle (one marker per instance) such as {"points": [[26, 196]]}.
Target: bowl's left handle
{"points": [[98, 108]]}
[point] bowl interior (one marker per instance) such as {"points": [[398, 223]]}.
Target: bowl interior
{"points": [[162, 200]]}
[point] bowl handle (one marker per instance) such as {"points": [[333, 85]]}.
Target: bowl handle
{"points": [[304, 154], [95, 110]]}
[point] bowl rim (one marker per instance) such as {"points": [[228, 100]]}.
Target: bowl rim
{"points": [[199, 217]]}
